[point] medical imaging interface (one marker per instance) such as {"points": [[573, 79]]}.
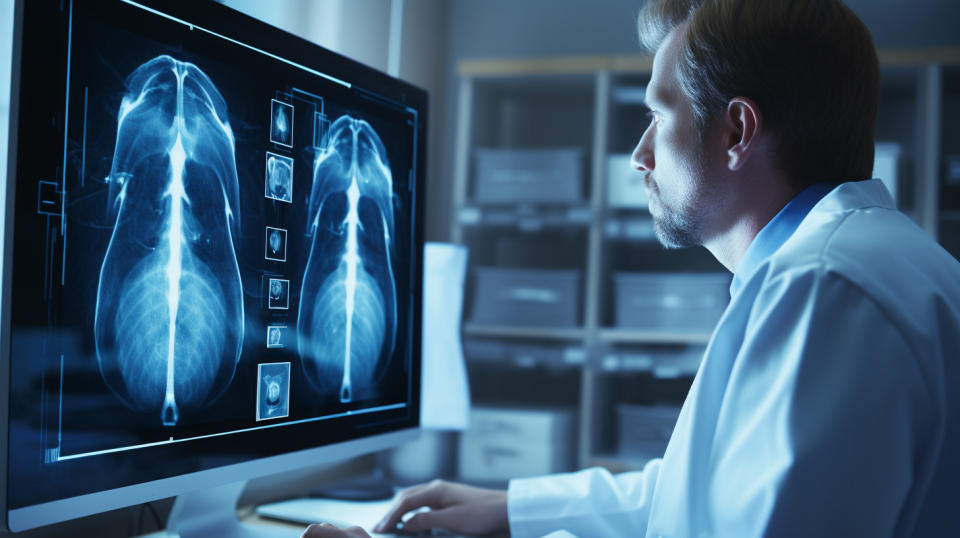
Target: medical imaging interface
{"points": [[232, 252]]}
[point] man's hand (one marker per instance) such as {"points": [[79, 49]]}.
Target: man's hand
{"points": [[454, 507], [326, 530]]}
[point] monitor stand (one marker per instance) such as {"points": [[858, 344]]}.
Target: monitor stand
{"points": [[213, 512]]}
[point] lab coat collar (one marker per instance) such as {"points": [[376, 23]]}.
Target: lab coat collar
{"points": [[835, 198], [776, 232]]}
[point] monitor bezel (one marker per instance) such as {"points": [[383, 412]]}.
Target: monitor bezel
{"points": [[228, 22], [6, 263]]}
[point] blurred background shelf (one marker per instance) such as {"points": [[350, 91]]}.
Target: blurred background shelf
{"points": [[637, 336], [630, 353], [510, 331], [525, 217]]}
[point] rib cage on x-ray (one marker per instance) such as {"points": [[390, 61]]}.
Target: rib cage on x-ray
{"points": [[348, 311], [169, 317]]}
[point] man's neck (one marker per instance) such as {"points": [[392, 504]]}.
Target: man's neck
{"points": [[758, 207]]}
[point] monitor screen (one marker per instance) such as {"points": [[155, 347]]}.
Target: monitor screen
{"points": [[213, 246]]}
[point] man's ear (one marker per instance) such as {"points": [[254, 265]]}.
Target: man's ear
{"points": [[743, 124]]}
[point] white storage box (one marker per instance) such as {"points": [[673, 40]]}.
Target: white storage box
{"points": [[534, 176], [625, 187], [530, 297], [511, 443], [644, 430], [682, 302]]}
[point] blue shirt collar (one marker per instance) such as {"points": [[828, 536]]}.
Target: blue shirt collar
{"points": [[772, 236]]}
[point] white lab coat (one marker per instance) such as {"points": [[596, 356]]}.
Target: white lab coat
{"points": [[827, 403]]}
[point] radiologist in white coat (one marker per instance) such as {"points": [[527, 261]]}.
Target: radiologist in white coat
{"points": [[828, 400]]}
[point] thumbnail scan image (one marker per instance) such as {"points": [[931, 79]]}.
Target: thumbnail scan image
{"points": [[279, 178], [279, 294], [276, 335], [275, 244], [348, 301], [169, 312], [273, 390], [281, 123]]}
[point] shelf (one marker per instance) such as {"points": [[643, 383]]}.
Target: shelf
{"points": [[545, 333], [520, 103], [519, 361], [587, 65], [639, 336], [525, 217], [639, 228], [643, 63], [669, 367], [524, 354]]}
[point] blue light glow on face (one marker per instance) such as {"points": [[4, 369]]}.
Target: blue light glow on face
{"points": [[348, 313], [169, 317]]}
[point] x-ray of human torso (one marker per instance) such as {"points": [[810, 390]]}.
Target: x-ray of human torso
{"points": [[169, 317], [348, 318]]}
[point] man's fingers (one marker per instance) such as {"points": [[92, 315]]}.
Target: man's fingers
{"points": [[461, 519], [456, 519], [424, 521], [326, 530], [408, 500]]}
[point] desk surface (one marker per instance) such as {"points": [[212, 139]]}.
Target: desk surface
{"points": [[301, 512]]}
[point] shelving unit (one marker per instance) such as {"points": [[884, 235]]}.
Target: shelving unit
{"points": [[594, 103]]}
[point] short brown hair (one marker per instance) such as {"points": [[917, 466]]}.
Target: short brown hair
{"points": [[810, 65]]}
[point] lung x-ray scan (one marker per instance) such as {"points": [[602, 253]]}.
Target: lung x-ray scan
{"points": [[348, 312], [169, 314]]}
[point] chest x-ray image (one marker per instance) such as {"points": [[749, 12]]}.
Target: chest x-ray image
{"points": [[281, 123], [279, 178], [169, 312], [275, 244], [273, 390], [279, 294], [348, 313]]}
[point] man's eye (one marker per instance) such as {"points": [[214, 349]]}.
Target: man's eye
{"points": [[653, 115]]}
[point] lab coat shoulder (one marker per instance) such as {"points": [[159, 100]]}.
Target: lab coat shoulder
{"points": [[856, 234], [831, 416], [805, 394]]}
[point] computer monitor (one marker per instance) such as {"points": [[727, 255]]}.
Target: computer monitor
{"points": [[212, 251]]}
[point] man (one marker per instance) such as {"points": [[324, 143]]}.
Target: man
{"points": [[827, 400]]}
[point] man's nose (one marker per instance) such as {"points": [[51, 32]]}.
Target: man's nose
{"points": [[642, 157]]}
